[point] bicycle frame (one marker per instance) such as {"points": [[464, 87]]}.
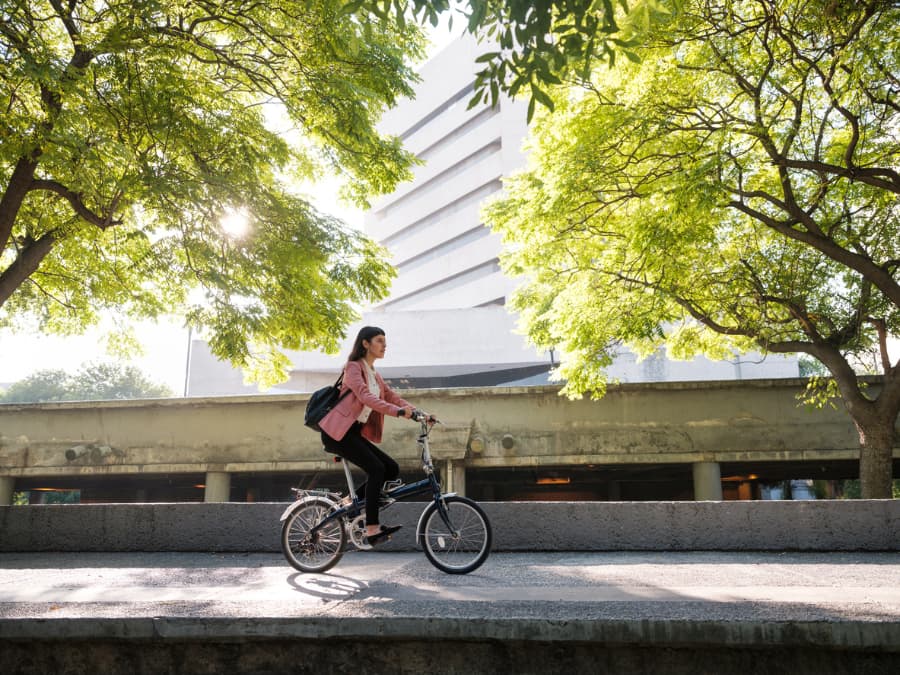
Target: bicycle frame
{"points": [[318, 526], [350, 511]]}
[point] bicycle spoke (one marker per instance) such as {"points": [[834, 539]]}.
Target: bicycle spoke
{"points": [[307, 548], [465, 544]]}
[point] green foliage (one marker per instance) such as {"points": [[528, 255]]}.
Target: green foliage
{"points": [[655, 212], [734, 187], [93, 382], [851, 489], [130, 129], [536, 45], [57, 496], [540, 45], [44, 385], [810, 367], [820, 391], [46, 497]]}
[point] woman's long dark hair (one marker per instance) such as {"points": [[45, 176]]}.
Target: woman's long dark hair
{"points": [[365, 333]]}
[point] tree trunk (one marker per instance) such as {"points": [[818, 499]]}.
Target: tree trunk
{"points": [[25, 264], [876, 458], [12, 198]]}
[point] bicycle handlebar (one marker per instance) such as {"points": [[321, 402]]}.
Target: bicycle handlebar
{"points": [[421, 415]]}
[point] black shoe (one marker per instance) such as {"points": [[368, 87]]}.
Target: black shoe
{"points": [[383, 535]]}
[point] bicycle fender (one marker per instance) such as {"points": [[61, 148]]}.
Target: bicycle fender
{"points": [[297, 503], [290, 508], [421, 517]]}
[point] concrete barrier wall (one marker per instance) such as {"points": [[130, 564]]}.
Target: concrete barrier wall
{"points": [[649, 423], [864, 525]]}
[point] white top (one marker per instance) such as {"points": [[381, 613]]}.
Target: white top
{"points": [[374, 388]]}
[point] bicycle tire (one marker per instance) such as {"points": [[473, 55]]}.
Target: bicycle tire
{"points": [[323, 550], [456, 554]]}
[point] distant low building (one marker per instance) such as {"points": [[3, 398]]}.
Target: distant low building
{"points": [[464, 348], [426, 349]]}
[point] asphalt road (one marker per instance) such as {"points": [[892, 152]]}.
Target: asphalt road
{"points": [[701, 586], [521, 613]]}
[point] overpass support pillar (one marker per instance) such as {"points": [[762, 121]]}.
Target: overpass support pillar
{"points": [[453, 477], [707, 481], [218, 486], [7, 484]]}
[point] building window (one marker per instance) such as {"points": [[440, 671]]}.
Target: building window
{"points": [[443, 249], [439, 182], [436, 217], [463, 93], [444, 285], [459, 132]]}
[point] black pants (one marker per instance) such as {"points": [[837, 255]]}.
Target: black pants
{"points": [[379, 467]]}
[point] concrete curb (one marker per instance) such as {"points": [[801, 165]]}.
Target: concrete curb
{"points": [[858, 525], [880, 636]]}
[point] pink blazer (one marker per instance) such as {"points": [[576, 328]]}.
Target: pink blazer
{"points": [[344, 414]]}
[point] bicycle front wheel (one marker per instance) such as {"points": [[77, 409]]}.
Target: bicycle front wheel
{"points": [[310, 551], [462, 547]]}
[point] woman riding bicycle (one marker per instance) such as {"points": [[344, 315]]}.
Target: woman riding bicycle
{"points": [[356, 423]]}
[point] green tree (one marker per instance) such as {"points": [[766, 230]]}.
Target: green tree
{"points": [[735, 189], [106, 381], [534, 43], [92, 382], [130, 129], [44, 385]]}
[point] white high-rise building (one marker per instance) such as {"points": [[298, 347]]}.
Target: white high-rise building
{"points": [[445, 257], [445, 317]]}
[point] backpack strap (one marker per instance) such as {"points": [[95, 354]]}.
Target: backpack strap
{"points": [[337, 385]]}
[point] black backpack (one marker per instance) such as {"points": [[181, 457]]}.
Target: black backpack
{"points": [[321, 403]]}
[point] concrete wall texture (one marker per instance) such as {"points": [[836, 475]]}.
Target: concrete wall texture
{"points": [[652, 423], [859, 525]]}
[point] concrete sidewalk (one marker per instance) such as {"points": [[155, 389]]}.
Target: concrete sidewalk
{"points": [[547, 612]]}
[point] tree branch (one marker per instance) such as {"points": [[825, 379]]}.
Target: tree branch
{"points": [[78, 205], [11, 201], [880, 277], [825, 352], [25, 264], [880, 177], [881, 330], [65, 15], [853, 327]]}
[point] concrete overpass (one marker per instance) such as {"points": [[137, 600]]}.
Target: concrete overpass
{"points": [[694, 425]]}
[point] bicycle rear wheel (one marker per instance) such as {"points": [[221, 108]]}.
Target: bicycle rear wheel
{"points": [[464, 546], [313, 552]]}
